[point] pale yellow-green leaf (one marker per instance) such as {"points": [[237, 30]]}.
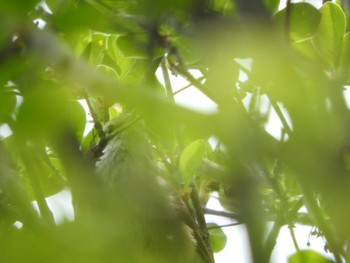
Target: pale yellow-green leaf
{"points": [[191, 158], [328, 39]]}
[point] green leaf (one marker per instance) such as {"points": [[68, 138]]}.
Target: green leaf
{"points": [[307, 49], [191, 158], [8, 103], [303, 20], [344, 65], [89, 140], [76, 117], [79, 40], [217, 237], [133, 46], [45, 113], [108, 71], [72, 17], [221, 5], [98, 46], [272, 5], [17, 7], [112, 49], [308, 256], [328, 39], [50, 176]]}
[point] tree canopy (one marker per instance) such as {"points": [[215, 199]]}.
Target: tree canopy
{"points": [[117, 58]]}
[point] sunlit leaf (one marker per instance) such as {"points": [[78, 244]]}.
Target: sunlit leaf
{"points": [[108, 70], [303, 20], [344, 65], [217, 237], [329, 37], [307, 49], [309, 256], [98, 45], [191, 158]]}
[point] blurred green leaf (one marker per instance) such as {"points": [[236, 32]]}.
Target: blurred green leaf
{"points": [[49, 175], [17, 7], [133, 46], [8, 103], [308, 256], [108, 71], [89, 140], [272, 5], [76, 118], [46, 113], [328, 39], [303, 20], [72, 17], [79, 40], [344, 66], [113, 51], [191, 158], [222, 5], [307, 49], [98, 46], [217, 237]]}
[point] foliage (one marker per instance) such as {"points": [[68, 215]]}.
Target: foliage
{"points": [[295, 63]]}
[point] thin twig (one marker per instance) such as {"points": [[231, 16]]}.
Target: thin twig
{"points": [[188, 85], [195, 82], [227, 225], [230, 215]]}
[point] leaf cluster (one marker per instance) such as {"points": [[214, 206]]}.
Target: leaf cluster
{"points": [[254, 60]]}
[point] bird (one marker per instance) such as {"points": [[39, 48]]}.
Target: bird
{"points": [[153, 217]]}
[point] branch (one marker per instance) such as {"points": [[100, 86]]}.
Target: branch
{"points": [[199, 215], [230, 215], [187, 86]]}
